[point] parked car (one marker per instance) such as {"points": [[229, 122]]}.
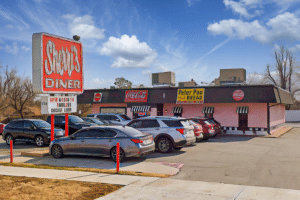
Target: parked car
{"points": [[102, 141], [218, 124], [209, 128], [1, 127], [95, 121], [169, 133], [118, 119], [29, 130], [197, 130], [75, 123]]}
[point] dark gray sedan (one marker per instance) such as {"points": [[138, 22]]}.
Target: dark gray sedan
{"points": [[102, 141]]}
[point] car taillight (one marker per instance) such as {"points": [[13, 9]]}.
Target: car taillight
{"points": [[136, 141], [181, 130]]}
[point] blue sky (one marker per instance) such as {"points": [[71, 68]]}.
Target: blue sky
{"points": [[134, 38]]}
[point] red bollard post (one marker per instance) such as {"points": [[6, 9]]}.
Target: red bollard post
{"points": [[66, 124], [11, 152], [118, 157], [52, 127]]}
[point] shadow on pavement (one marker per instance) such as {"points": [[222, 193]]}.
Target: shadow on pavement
{"points": [[223, 138]]}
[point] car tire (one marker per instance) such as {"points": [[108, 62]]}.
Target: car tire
{"points": [[39, 141], [57, 151], [8, 138], [113, 153], [164, 145], [177, 148]]}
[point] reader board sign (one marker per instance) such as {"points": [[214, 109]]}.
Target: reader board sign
{"points": [[58, 104], [56, 64], [190, 96], [136, 96]]}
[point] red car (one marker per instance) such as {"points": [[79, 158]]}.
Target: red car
{"points": [[210, 129], [197, 130], [1, 127]]}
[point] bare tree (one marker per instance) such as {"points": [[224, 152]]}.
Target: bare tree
{"points": [[85, 109], [18, 91], [284, 68], [122, 83]]}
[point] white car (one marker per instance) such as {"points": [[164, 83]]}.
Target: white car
{"points": [[168, 133]]}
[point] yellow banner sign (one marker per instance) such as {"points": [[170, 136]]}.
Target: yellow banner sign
{"points": [[190, 96]]}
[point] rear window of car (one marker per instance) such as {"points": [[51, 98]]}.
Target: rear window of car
{"points": [[173, 123], [125, 117], [132, 132]]}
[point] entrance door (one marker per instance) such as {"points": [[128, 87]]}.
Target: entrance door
{"points": [[160, 109], [243, 122]]}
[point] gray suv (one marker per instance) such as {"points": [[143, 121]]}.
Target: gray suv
{"points": [[118, 119], [168, 133]]}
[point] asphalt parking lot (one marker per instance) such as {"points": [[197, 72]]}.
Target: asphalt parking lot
{"points": [[245, 160]]}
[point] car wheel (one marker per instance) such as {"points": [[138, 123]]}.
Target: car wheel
{"points": [[56, 151], [113, 154], [178, 148], [8, 138], [39, 141], [164, 145]]}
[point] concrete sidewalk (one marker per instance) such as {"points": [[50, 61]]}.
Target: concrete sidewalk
{"points": [[146, 188]]}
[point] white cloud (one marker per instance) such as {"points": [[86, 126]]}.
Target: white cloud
{"points": [[146, 72], [128, 52], [192, 2], [9, 26], [14, 49], [84, 27], [284, 26], [1, 41], [99, 83], [242, 7], [25, 48]]}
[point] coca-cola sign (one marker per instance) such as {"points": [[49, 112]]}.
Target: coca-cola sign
{"points": [[136, 96], [57, 64], [238, 95]]}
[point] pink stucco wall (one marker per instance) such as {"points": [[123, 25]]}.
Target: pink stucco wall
{"points": [[277, 114], [225, 113], [96, 107]]}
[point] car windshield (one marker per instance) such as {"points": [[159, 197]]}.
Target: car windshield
{"points": [[41, 124], [75, 119], [125, 117]]}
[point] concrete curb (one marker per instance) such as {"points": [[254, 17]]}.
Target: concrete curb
{"points": [[36, 153], [279, 132]]}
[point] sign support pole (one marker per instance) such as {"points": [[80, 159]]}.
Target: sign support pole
{"points": [[67, 124], [52, 127]]}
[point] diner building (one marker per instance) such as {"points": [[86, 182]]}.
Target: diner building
{"points": [[241, 109]]}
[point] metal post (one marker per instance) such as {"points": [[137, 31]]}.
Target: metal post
{"points": [[118, 157], [52, 127], [11, 151], [66, 124]]}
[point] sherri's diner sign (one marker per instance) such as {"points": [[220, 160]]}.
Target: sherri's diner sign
{"points": [[56, 64]]}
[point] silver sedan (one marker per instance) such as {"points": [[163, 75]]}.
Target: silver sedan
{"points": [[102, 141]]}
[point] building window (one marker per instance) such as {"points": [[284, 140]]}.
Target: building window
{"points": [[208, 111], [177, 111], [116, 110], [140, 111]]}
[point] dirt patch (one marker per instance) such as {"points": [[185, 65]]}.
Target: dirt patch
{"points": [[25, 188]]}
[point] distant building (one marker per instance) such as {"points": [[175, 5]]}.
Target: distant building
{"points": [[191, 83], [231, 77], [163, 78]]}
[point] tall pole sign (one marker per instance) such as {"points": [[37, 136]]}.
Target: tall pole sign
{"points": [[56, 64]]}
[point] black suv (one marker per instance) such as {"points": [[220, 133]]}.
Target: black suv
{"points": [[28, 130], [75, 123]]}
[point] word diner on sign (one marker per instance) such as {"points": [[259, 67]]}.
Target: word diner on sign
{"points": [[57, 64], [58, 104], [136, 96], [190, 96]]}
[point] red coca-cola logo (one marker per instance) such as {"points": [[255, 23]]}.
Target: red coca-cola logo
{"points": [[136, 96], [238, 95]]}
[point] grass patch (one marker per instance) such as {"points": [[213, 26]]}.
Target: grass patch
{"points": [[27, 188], [95, 170]]}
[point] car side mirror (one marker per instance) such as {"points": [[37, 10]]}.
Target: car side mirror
{"points": [[72, 137], [32, 127], [118, 120]]}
